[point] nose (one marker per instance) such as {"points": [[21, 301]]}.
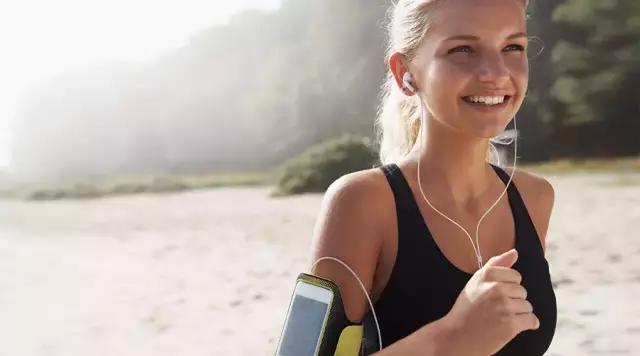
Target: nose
{"points": [[493, 70]]}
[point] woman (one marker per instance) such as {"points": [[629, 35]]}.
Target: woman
{"points": [[435, 291]]}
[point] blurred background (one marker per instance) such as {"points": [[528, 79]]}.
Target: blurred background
{"points": [[162, 165]]}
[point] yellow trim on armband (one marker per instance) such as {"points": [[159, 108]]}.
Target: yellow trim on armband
{"points": [[350, 341]]}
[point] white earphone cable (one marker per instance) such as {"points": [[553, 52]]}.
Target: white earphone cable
{"points": [[496, 151], [375, 317], [476, 251]]}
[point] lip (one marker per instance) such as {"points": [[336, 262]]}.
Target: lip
{"points": [[488, 108], [492, 93]]}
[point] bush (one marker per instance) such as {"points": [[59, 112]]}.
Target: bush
{"points": [[75, 191], [316, 168]]}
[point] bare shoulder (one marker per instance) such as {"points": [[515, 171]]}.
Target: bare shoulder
{"points": [[365, 186], [359, 195], [350, 226], [538, 195]]}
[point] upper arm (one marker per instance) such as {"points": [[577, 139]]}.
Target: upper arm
{"points": [[348, 229]]}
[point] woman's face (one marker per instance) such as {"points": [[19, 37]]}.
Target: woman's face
{"points": [[472, 66]]}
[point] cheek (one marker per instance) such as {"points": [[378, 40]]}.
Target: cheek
{"points": [[519, 68], [446, 81]]}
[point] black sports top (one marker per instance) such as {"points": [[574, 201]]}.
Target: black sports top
{"points": [[424, 284]]}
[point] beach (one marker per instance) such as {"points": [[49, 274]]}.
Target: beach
{"points": [[211, 272]]}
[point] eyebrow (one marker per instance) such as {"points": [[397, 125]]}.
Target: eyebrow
{"points": [[475, 38]]}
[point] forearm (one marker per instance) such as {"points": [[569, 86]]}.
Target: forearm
{"points": [[436, 338]]}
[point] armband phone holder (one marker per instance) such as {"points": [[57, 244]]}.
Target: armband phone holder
{"points": [[338, 335]]}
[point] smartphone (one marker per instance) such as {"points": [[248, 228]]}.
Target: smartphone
{"points": [[306, 320]]}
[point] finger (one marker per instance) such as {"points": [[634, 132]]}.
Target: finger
{"points": [[509, 290], [520, 306], [527, 321], [503, 274], [513, 290], [506, 259]]}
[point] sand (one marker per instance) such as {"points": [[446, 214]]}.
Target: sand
{"points": [[211, 272]]}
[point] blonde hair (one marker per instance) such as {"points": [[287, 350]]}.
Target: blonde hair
{"points": [[398, 121]]}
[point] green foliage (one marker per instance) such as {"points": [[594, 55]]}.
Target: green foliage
{"points": [[123, 185], [253, 93], [595, 57], [316, 168], [620, 165], [569, 57]]}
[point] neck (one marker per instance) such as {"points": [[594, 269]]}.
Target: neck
{"points": [[453, 164]]}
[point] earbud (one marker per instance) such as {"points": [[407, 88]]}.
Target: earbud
{"points": [[406, 81]]}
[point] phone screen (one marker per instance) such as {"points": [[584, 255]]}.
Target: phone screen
{"points": [[304, 321]]}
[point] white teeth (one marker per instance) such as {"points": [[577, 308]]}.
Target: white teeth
{"points": [[487, 100]]}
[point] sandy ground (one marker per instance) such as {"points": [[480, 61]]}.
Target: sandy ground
{"points": [[211, 272]]}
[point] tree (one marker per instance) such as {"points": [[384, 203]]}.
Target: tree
{"points": [[597, 65]]}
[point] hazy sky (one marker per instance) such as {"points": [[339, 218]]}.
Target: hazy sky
{"points": [[41, 38]]}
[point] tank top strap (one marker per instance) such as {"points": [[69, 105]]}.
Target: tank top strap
{"points": [[412, 244], [402, 196], [528, 241]]}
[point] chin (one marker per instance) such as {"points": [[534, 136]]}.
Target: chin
{"points": [[490, 131]]}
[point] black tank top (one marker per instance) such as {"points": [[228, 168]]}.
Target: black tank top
{"points": [[424, 284]]}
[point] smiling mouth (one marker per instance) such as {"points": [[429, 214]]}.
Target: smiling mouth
{"points": [[498, 100]]}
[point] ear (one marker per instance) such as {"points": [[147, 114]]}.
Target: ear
{"points": [[398, 66]]}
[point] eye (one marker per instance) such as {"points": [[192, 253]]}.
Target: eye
{"points": [[463, 49], [514, 47]]}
